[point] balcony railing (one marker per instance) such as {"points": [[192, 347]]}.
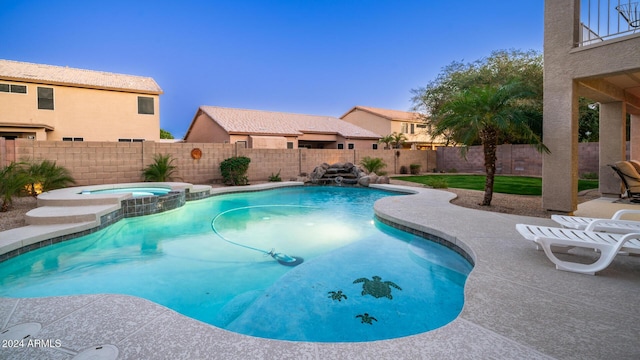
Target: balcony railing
{"points": [[603, 20]]}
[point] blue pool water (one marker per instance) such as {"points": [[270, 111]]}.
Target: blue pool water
{"points": [[136, 191], [360, 280]]}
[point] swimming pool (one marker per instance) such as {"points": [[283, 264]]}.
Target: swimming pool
{"points": [[135, 191], [361, 280]]}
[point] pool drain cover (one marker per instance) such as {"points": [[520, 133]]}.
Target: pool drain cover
{"points": [[102, 352], [20, 331]]}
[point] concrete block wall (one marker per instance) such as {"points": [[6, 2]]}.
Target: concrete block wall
{"points": [[93, 163], [512, 159]]}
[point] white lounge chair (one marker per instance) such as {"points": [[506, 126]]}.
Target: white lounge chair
{"points": [[552, 239], [614, 225]]}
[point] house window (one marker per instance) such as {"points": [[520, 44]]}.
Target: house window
{"points": [[18, 89], [413, 129], [403, 128], [351, 146], [45, 98], [145, 105], [138, 140], [375, 146], [340, 146], [242, 144], [124, 140], [289, 145], [72, 139]]}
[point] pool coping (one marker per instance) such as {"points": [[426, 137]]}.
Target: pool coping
{"points": [[516, 305]]}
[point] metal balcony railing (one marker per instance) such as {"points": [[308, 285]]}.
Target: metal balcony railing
{"points": [[603, 20]]}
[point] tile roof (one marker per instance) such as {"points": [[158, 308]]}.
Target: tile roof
{"points": [[386, 113], [60, 75], [279, 123]]}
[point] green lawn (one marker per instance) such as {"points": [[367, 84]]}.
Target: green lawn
{"points": [[519, 185]]}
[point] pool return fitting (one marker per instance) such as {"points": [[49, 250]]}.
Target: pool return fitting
{"points": [[283, 259]]}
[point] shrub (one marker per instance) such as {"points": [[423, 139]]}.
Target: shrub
{"points": [[415, 169], [47, 176], [404, 170], [162, 169], [275, 178], [438, 183], [13, 180], [373, 165], [234, 170], [589, 176]]}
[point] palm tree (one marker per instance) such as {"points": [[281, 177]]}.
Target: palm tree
{"points": [[49, 175], [13, 180], [397, 139], [162, 169], [386, 140], [487, 114], [373, 165]]}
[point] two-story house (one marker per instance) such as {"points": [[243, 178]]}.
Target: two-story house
{"points": [[45, 102], [385, 122]]}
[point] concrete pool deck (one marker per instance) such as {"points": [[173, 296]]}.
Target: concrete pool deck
{"points": [[517, 306]]}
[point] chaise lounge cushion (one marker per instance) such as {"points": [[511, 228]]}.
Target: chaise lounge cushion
{"points": [[631, 177]]}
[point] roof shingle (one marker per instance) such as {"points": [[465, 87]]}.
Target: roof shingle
{"points": [[386, 113], [59, 75], [279, 123]]}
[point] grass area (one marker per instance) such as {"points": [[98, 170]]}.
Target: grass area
{"points": [[519, 185]]}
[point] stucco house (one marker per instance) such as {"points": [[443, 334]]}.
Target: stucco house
{"points": [[276, 130], [591, 49], [46, 102], [385, 122]]}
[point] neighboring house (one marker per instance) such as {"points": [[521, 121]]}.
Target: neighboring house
{"points": [[385, 122], [277, 130], [45, 102], [591, 49]]}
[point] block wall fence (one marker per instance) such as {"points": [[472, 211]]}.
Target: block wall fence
{"points": [[94, 163], [512, 159]]}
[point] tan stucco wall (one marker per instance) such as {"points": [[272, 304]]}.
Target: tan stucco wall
{"points": [[565, 67], [204, 129], [267, 142], [369, 121], [95, 115]]}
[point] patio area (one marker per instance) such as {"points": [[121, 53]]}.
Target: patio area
{"points": [[517, 305]]}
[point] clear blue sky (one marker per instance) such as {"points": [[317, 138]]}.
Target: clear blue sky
{"points": [[315, 57]]}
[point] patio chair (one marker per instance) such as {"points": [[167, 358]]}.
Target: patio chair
{"points": [[552, 239], [614, 225], [630, 179]]}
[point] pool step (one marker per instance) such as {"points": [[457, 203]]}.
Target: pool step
{"points": [[48, 215]]}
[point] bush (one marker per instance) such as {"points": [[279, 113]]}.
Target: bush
{"points": [[162, 169], [275, 178], [47, 176], [373, 165], [438, 183], [234, 170], [13, 180], [589, 176], [404, 170], [415, 169]]}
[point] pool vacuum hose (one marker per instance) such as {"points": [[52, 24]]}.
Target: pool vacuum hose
{"points": [[283, 259]]}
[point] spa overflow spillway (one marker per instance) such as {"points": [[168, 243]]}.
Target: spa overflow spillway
{"points": [[135, 191], [361, 280]]}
